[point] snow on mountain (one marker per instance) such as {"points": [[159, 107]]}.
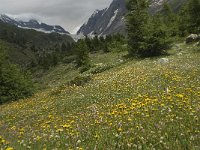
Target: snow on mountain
{"points": [[105, 21], [112, 19], [32, 24]]}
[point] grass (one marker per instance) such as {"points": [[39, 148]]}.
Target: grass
{"points": [[135, 105]]}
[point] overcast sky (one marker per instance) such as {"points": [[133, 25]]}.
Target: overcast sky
{"points": [[70, 14]]}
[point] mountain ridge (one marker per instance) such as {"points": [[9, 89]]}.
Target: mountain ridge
{"points": [[111, 20], [33, 24]]}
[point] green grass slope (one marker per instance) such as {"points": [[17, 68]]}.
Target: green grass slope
{"points": [[133, 105]]}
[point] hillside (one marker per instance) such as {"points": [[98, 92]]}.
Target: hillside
{"points": [[136, 104], [26, 46]]}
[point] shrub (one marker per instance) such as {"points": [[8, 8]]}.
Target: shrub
{"points": [[100, 68], [15, 83], [80, 80]]}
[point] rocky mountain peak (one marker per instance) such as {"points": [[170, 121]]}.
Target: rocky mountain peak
{"points": [[111, 20], [33, 24]]}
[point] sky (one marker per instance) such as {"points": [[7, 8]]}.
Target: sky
{"points": [[70, 14]]}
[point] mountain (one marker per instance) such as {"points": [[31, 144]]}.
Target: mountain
{"points": [[106, 21], [27, 46], [156, 5], [33, 24], [111, 20]]}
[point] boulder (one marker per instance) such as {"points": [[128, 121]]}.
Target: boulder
{"points": [[192, 38], [179, 54], [163, 61], [198, 44]]}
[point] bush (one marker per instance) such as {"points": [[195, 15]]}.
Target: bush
{"points": [[69, 59], [15, 83], [100, 68], [80, 80], [84, 68]]}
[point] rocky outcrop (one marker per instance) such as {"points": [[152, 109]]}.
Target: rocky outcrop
{"points": [[192, 38], [106, 21]]}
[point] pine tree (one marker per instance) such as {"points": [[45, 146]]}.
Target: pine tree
{"points": [[147, 36], [82, 54], [89, 43], [183, 21], [170, 19], [15, 83], [137, 18], [194, 16], [63, 47]]}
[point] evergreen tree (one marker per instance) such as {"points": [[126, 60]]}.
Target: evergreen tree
{"points": [[183, 21], [146, 35], [96, 43], [137, 19], [63, 47], [82, 54], [194, 16], [89, 44], [15, 83], [170, 19]]}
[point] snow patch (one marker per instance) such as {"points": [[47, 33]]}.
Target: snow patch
{"points": [[113, 18], [95, 12]]}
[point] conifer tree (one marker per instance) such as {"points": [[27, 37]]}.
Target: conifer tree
{"points": [[194, 16], [147, 36], [137, 18], [170, 19], [82, 54], [183, 21], [15, 83]]}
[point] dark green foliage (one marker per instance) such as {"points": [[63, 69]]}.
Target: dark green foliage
{"points": [[90, 44], [116, 43], [105, 43], [63, 47], [82, 54], [48, 60], [146, 36], [15, 83], [169, 19], [194, 16], [189, 18], [156, 39], [137, 18], [183, 22]]}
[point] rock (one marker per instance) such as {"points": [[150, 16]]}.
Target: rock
{"points": [[198, 43], [163, 61], [192, 38], [121, 61], [179, 54]]}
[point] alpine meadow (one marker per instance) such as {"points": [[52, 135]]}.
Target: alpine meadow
{"points": [[129, 79]]}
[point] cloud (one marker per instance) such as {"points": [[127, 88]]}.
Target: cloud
{"points": [[68, 13]]}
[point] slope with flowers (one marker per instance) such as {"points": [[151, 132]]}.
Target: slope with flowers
{"points": [[136, 105]]}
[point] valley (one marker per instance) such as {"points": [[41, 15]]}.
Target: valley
{"points": [[128, 79]]}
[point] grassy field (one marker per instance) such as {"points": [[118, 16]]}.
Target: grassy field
{"points": [[138, 104]]}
